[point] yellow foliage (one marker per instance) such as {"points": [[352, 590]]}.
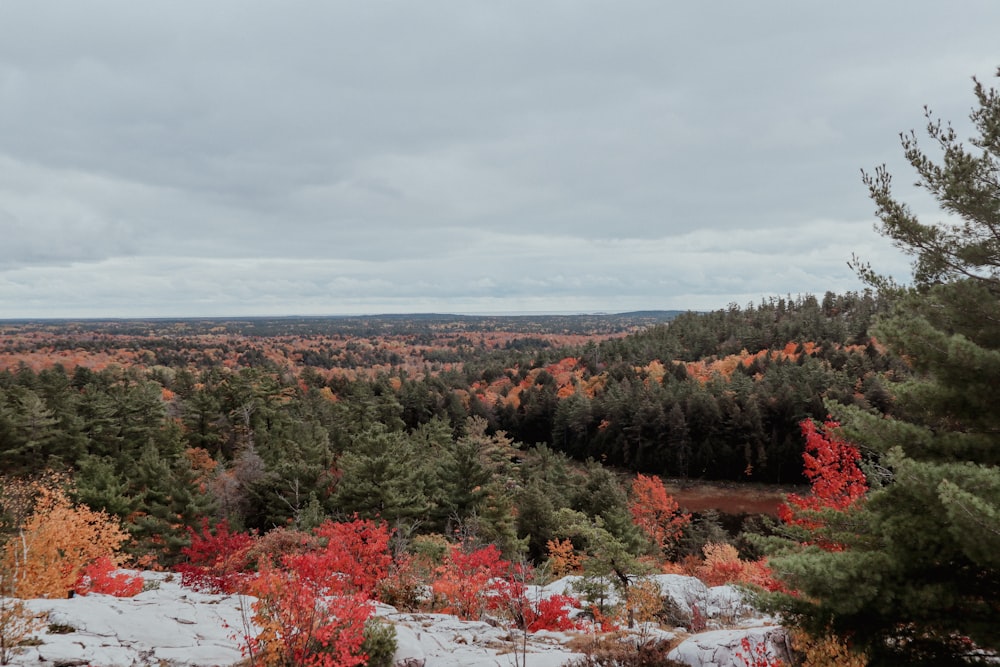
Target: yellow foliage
{"points": [[720, 552], [644, 600], [722, 564], [825, 651], [55, 543]]}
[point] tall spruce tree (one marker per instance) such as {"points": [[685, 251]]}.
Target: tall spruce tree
{"points": [[917, 580]]}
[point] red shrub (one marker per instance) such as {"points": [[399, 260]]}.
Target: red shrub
{"points": [[469, 584], [553, 613], [102, 576], [301, 624], [358, 551], [756, 655], [217, 562]]}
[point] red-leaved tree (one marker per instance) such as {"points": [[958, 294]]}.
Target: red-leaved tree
{"points": [[831, 465], [656, 513]]}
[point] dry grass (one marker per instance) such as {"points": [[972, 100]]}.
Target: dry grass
{"points": [[728, 498]]}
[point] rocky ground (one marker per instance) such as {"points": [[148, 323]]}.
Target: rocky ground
{"points": [[171, 626]]}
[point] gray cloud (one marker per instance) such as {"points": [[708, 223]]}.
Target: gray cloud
{"points": [[318, 157]]}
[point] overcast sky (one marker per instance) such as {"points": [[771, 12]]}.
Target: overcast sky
{"points": [[228, 158]]}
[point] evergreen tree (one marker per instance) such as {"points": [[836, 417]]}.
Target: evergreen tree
{"points": [[169, 501], [918, 578], [381, 476], [101, 487], [29, 431]]}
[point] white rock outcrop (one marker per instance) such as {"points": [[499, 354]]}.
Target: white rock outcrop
{"points": [[720, 648], [172, 626]]}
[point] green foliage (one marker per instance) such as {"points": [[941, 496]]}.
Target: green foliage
{"points": [[917, 581], [379, 643], [382, 474], [609, 559], [171, 501]]}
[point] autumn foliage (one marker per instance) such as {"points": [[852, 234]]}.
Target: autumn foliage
{"points": [[831, 466], [563, 558], [103, 577], [470, 582], [303, 621], [217, 561], [723, 565], [656, 513], [756, 654], [357, 552], [57, 542]]}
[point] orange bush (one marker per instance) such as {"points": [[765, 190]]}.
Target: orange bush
{"points": [[723, 565], [563, 558], [57, 541]]}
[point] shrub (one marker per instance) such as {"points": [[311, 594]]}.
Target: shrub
{"points": [[102, 577], [57, 541], [552, 613], [302, 624], [356, 550], [403, 587], [614, 651], [218, 561], [379, 643], [17, 623], [430, 549], [757, 654], [825, 651], [467, 584]]}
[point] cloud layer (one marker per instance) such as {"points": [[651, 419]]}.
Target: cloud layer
{"points": [[231, 158]]}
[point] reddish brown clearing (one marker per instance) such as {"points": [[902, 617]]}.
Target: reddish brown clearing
{"points": [[728, 498]]}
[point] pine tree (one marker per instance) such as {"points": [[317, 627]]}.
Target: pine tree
{"points": [[169, 502], [918, 578], [381, 476]]}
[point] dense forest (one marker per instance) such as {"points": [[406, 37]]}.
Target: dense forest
{"points": [[432, 421]]}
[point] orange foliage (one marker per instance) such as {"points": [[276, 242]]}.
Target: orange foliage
{"points": [[595, 384], [469, 584], [722, 565], [563, 559], [656, 513], [566, 391], [655, 370], [201, 461], [57, 542], [698, 370]]}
